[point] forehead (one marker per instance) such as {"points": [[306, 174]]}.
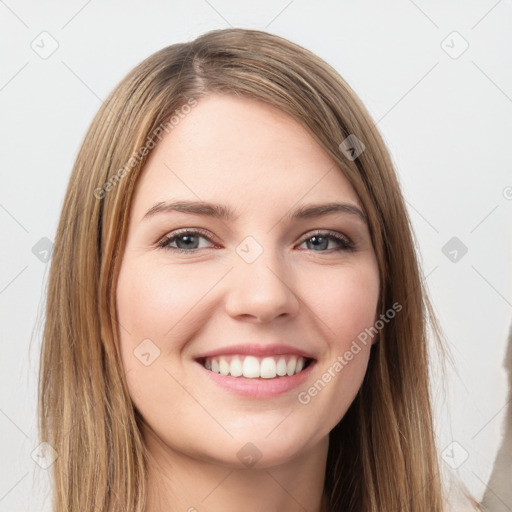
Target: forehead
{"points": [[241, 152]]}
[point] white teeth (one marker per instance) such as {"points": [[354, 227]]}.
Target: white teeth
{"points": [[292, 364], [252, 367], [236, 369], [281, 367], [268, 368], [223, 366]]}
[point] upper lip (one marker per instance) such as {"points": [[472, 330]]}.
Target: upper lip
{"points": [[255, 349]]}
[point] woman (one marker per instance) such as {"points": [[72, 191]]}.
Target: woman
{"points": [[235, 312]]}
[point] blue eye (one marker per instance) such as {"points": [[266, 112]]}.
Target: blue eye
{"points": [[320, 240], [187, 241]]}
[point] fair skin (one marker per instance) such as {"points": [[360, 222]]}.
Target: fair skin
{"points": [[311, 293]]}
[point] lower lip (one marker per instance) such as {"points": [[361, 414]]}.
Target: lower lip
{"points": [[259, 388]]}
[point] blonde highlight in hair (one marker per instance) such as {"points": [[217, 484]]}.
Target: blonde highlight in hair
{"points": [[382, 454]]}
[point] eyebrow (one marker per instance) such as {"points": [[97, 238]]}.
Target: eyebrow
{"points": [[219, 211]]}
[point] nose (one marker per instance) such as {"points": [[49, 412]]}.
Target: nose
{"points": [[261, 291]]}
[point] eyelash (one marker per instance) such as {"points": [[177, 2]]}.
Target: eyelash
{"points": [[345, 243]]}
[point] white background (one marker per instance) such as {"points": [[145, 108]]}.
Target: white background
{"points": [[447, 122]]}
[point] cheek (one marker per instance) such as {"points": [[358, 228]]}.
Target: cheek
{"points": [[153, 305], [346, 303], [153, 301], [345, 306]]}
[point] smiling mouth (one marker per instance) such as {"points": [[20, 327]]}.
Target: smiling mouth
{"points": [[252, 367]]}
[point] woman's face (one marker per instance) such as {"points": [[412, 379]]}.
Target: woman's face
{"points": [[260, 278]]}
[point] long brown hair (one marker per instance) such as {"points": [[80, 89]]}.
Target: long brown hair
{"points": [[382, 454]]}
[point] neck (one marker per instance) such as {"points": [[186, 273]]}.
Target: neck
{"points": [[189, 482]]}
